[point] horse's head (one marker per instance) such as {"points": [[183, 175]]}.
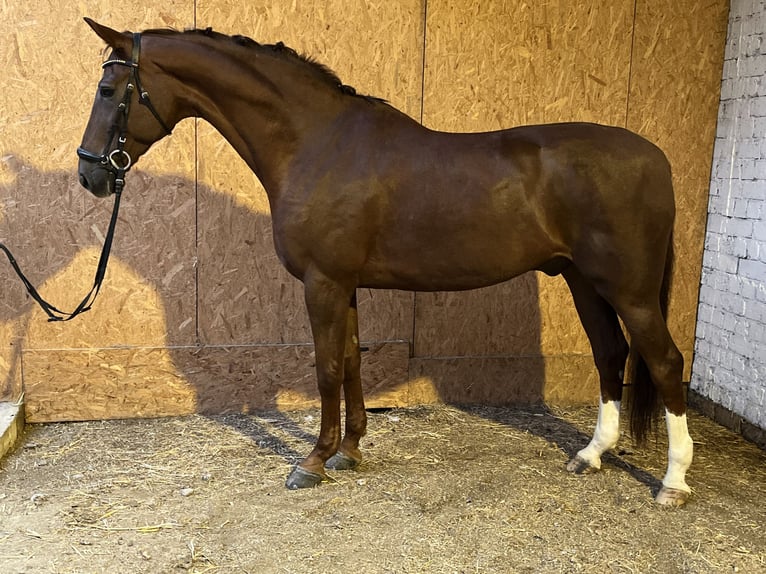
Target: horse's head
{"points": [[118, 132]]}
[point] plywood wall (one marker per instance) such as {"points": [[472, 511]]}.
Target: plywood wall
{"points": [[198, 315]]}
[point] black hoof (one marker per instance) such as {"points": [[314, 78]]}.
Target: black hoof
{"points": [[301, 478], [340, 461]]}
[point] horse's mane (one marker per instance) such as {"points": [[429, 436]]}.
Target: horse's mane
{"points": [[279, 48]]}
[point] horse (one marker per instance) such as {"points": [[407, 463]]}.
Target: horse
{"points": [[362, 195]]}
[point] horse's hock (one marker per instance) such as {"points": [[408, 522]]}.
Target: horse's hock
{"points": [[197, 314]]}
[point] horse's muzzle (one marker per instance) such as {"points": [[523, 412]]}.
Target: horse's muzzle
{"points": [[96, 179]]}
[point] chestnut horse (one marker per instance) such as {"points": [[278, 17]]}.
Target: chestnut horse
{"points": [[362, 195]]}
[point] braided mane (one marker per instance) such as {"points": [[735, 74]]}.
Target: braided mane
{"points": [[279, 48]]}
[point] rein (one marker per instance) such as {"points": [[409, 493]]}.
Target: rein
{"points": [[118, 162]]}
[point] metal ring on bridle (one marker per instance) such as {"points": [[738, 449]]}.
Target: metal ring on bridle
{"points": [[124, 155]]}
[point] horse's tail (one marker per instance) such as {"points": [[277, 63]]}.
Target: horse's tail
{"points": [[644, 399]]}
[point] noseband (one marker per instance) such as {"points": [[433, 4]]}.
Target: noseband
{"points": [[118, 161]]}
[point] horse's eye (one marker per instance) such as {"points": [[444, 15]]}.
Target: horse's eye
{"points": [[106, 92]]}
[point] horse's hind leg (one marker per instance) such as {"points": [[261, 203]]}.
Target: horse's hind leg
{"points": [[610, 351], [651, 338], [349, 455]]}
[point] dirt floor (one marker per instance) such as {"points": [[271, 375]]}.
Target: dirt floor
{"points": [[442, 490]]}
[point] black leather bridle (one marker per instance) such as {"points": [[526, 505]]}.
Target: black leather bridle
{"points": [[118, 162]]}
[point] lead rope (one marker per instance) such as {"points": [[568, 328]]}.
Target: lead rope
{"points": [[53, 313]]}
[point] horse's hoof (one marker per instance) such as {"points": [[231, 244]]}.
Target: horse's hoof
{"points": [[341, 461], [671, 497], [302, 478], [579, 465]]}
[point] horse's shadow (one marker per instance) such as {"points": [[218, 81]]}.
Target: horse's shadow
{"points": [[542, 422]]}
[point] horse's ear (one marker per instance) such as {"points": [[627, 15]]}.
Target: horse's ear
{"points": [[122, 42]]}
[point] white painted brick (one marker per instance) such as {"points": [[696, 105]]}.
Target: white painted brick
{"points": [[760, 295], [758, 107], [740, 345], [707, 297], [736, 286], [738, 207], [755, 270], [758, 394], [740, 227], [712, 242], [754, 42], [708, 292], [748, 148], [756, 209], [732, 304], [718, 204], [733, 245], [699, 335], [758, 333], [756, 311], [753, 189], [730, 323], [754, 66], [730, 349], [717, 321], [753, 411], [705, 313], [716, 223], [727, 263], [727, 89], [759, 124], [747, 289]]}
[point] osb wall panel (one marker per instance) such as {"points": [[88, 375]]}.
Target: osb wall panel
{"points": [[496, 65], [506, 380], [104, 383], [249, 297], [674, 91], [193, 260], [243, 379], [148, 382]]}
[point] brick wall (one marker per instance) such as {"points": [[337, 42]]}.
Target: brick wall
{"points": [[730, 356]]}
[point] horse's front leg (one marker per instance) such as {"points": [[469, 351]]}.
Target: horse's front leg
{"points": [[327, 303], [348, 455]]}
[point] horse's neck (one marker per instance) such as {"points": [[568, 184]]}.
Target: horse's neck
{"points": [[264, 107]]}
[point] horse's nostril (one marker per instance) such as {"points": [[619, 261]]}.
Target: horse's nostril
{"points": [[84, 181]]}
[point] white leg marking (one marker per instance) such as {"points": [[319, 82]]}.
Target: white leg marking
{"points": [[606, 434], [680, 452]]}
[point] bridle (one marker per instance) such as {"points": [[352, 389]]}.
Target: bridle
{"points": [[116, 161]]}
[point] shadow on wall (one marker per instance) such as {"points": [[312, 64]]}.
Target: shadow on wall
{"points": [[197, 313]]}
